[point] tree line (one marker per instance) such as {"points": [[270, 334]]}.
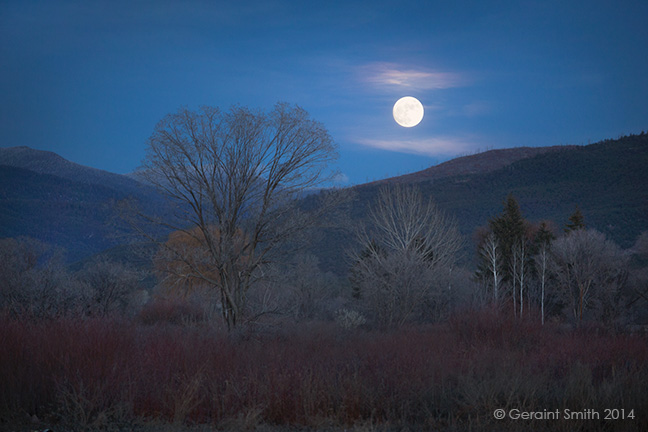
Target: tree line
{"points": [[577, 275], [35, 282]]}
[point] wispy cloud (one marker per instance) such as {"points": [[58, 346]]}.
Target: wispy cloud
{"points": [[477, 108], [435, 146], [341, 179], [393, 75]]}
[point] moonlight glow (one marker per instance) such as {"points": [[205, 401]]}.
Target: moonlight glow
{"points": [[408, 111]]}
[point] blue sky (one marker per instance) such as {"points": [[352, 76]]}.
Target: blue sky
{"points": [[90, 79]]}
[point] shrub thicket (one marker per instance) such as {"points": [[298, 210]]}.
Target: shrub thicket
{"points": [[97, 372]]}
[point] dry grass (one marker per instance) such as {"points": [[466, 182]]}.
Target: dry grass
{"points": [[101, 374]]}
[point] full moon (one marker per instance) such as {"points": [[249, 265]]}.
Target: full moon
{"points": [[408, 111]]}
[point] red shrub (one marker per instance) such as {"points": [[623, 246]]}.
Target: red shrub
{"points": [[436, 375], [171, 311], [493, 326]]}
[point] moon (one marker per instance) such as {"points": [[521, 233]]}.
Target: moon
{"points": [[408, 111]]}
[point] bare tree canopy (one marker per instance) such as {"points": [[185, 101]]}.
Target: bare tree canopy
{"points": [[406, 251], [590, 271], [236, 175]]}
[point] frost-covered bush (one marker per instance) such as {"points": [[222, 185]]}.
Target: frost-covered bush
{"points": [[349, 319]]}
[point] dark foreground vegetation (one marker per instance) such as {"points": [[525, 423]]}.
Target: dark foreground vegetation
{"points": [[145, 372]]}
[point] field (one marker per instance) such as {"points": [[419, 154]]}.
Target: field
{"points": [[124, 374]]}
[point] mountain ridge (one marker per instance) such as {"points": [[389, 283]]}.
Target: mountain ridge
{"points": [[479, 163], [608, 180], [48, 162], [54, 200]]}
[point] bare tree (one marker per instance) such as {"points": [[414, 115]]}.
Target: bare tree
{"points": [[492, 256], [307, 289], [541, 260], [182, 264], [519, 258], [514, 264], [403, 253], [590, 271], [235, 176]]}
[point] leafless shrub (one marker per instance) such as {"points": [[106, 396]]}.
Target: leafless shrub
{"points": [[111, 287], [307, 288], [349, 319], [637, 287], [33, 280]]}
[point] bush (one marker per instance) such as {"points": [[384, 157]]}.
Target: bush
{"points": [[349, 319], [111, 287]]}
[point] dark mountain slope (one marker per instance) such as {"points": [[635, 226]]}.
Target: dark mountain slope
{"points": [[81, 217], [480, 163], [607, 180], [46, 162], [69, 214]]}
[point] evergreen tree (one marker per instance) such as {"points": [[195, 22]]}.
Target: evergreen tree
{"points": [[509, 235], [509, 228], [576, 221], [543, 236]]}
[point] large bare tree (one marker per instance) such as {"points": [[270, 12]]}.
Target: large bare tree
{"points": [[235, 176], [409, 247]]}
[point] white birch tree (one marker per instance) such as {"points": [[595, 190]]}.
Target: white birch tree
{"points": [[541, 260], [492, 256], [520, 256]]}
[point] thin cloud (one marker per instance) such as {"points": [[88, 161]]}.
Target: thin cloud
{"points": [[341, 178], [477, 108], [392, 75], [447, 146]]}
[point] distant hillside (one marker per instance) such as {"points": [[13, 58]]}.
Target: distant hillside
{"points": [[55, 210], [46, 162], [75, 209], [480, 163], [607, 180]]}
